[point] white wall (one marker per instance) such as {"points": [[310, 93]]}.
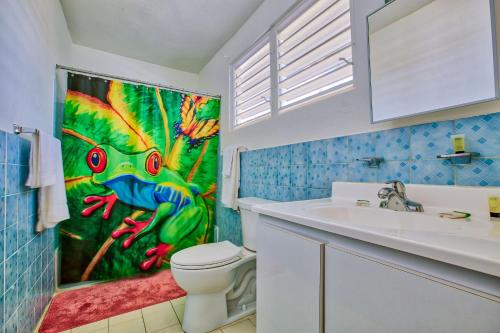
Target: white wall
{"points": [[341, 114], [103, 62], [33, 38]]}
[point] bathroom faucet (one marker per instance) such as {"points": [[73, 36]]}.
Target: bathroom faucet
{"points": [[395, 198]]}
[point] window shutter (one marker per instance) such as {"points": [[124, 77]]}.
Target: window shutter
{"points": [[315, 52], [251, 85]]}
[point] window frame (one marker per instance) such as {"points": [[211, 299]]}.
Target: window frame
{"points": [[244, 56], [271, 36]]}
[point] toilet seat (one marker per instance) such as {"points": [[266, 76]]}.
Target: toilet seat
{"points": [[206, 256], [220, 278]]}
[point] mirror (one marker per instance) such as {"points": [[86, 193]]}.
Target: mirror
{"points": [[430, 55]]}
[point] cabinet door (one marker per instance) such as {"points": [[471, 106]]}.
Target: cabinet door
{"points": [[365, 295], [289, 282]]}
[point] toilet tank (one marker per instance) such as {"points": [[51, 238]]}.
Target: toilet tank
{"points": [[249, 220]]}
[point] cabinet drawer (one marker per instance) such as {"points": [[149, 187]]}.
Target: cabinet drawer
{"points": [[366, 295], [289, 282]]}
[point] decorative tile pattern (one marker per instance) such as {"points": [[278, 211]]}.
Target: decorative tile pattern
{"points": [[2, 182], [26, 257], [270, 156], [482, 134], [358, 172], [12, 180], [299, 153], [11, 239], [11, 325], [337, 172], [306, 170], [298, 175], [270, 176], [394, 170], [229, 225], [11, 209], [284, 175], [437, 172], [482, 172], [283, 156], [430, 140], [10, 298], [337, 150], [2, 308], [317, 176], [393, 144], [280, 193], [317, 152], [298, 193], [318, 193], [362, 145], [13, 150]]}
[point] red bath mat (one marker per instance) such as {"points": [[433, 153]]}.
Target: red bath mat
{"points": [[78, 307]]}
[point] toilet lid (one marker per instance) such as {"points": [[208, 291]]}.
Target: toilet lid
{"points": [[207, 254]]}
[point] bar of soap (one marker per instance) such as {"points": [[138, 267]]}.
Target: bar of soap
{"points": [[454, 215], [363, 203]]}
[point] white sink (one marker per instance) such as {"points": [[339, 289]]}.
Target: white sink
{"points": [[374, 217], [473, 235], [369, 217], [472, 243], [354, 215]]}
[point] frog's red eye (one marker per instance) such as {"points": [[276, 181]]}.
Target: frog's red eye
{"points": [[153, 163], [96, 159]]}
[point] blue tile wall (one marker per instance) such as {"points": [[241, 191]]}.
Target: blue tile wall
{"points": [[27, 257], [306, 170], [228, 221]]}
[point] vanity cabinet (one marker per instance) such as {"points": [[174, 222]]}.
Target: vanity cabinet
{"points": [[309, 280], [366, 294], [289, 275]]}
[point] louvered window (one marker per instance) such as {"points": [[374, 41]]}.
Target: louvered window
{"points": [[314, 52], [251, 83], [305, 55]]}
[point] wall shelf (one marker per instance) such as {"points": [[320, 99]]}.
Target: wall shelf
{"points": [[459, 158]]}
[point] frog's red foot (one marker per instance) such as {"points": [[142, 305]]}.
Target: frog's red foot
{"points": [[134, 230], [107, 200], [156, 256]]}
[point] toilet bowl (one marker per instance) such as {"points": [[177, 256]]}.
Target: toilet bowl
{"points": [[219, 278]]}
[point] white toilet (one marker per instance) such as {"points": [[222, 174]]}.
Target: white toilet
{"points": [[219, 278]]}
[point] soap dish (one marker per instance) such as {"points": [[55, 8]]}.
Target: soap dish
{"points": [[459, 158], [371, 161]]}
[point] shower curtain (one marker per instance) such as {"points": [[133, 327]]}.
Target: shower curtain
{"points": [[140, 167]]}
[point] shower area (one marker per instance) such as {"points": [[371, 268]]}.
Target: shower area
{"points": [[140, 169]]}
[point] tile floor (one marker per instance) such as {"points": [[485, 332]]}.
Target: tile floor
{"points": [[160, 318]]}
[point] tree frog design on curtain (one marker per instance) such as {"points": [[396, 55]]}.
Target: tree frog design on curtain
{"points": [[140, 167]]}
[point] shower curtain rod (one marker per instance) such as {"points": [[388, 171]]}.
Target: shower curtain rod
{"points": [[121, 78]]}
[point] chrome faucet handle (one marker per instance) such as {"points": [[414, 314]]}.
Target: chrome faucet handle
{"points": [[395, 198], [384, 192], [398, 187]]}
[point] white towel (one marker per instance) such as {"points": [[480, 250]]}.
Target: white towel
{"points": [[46, 173], [228, 156], [42, 170], [231, 183]]}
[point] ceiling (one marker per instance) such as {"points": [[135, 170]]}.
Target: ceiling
{"points": [[180, 34]]}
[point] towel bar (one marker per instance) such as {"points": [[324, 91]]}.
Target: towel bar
{"points": [[18, 129]]}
